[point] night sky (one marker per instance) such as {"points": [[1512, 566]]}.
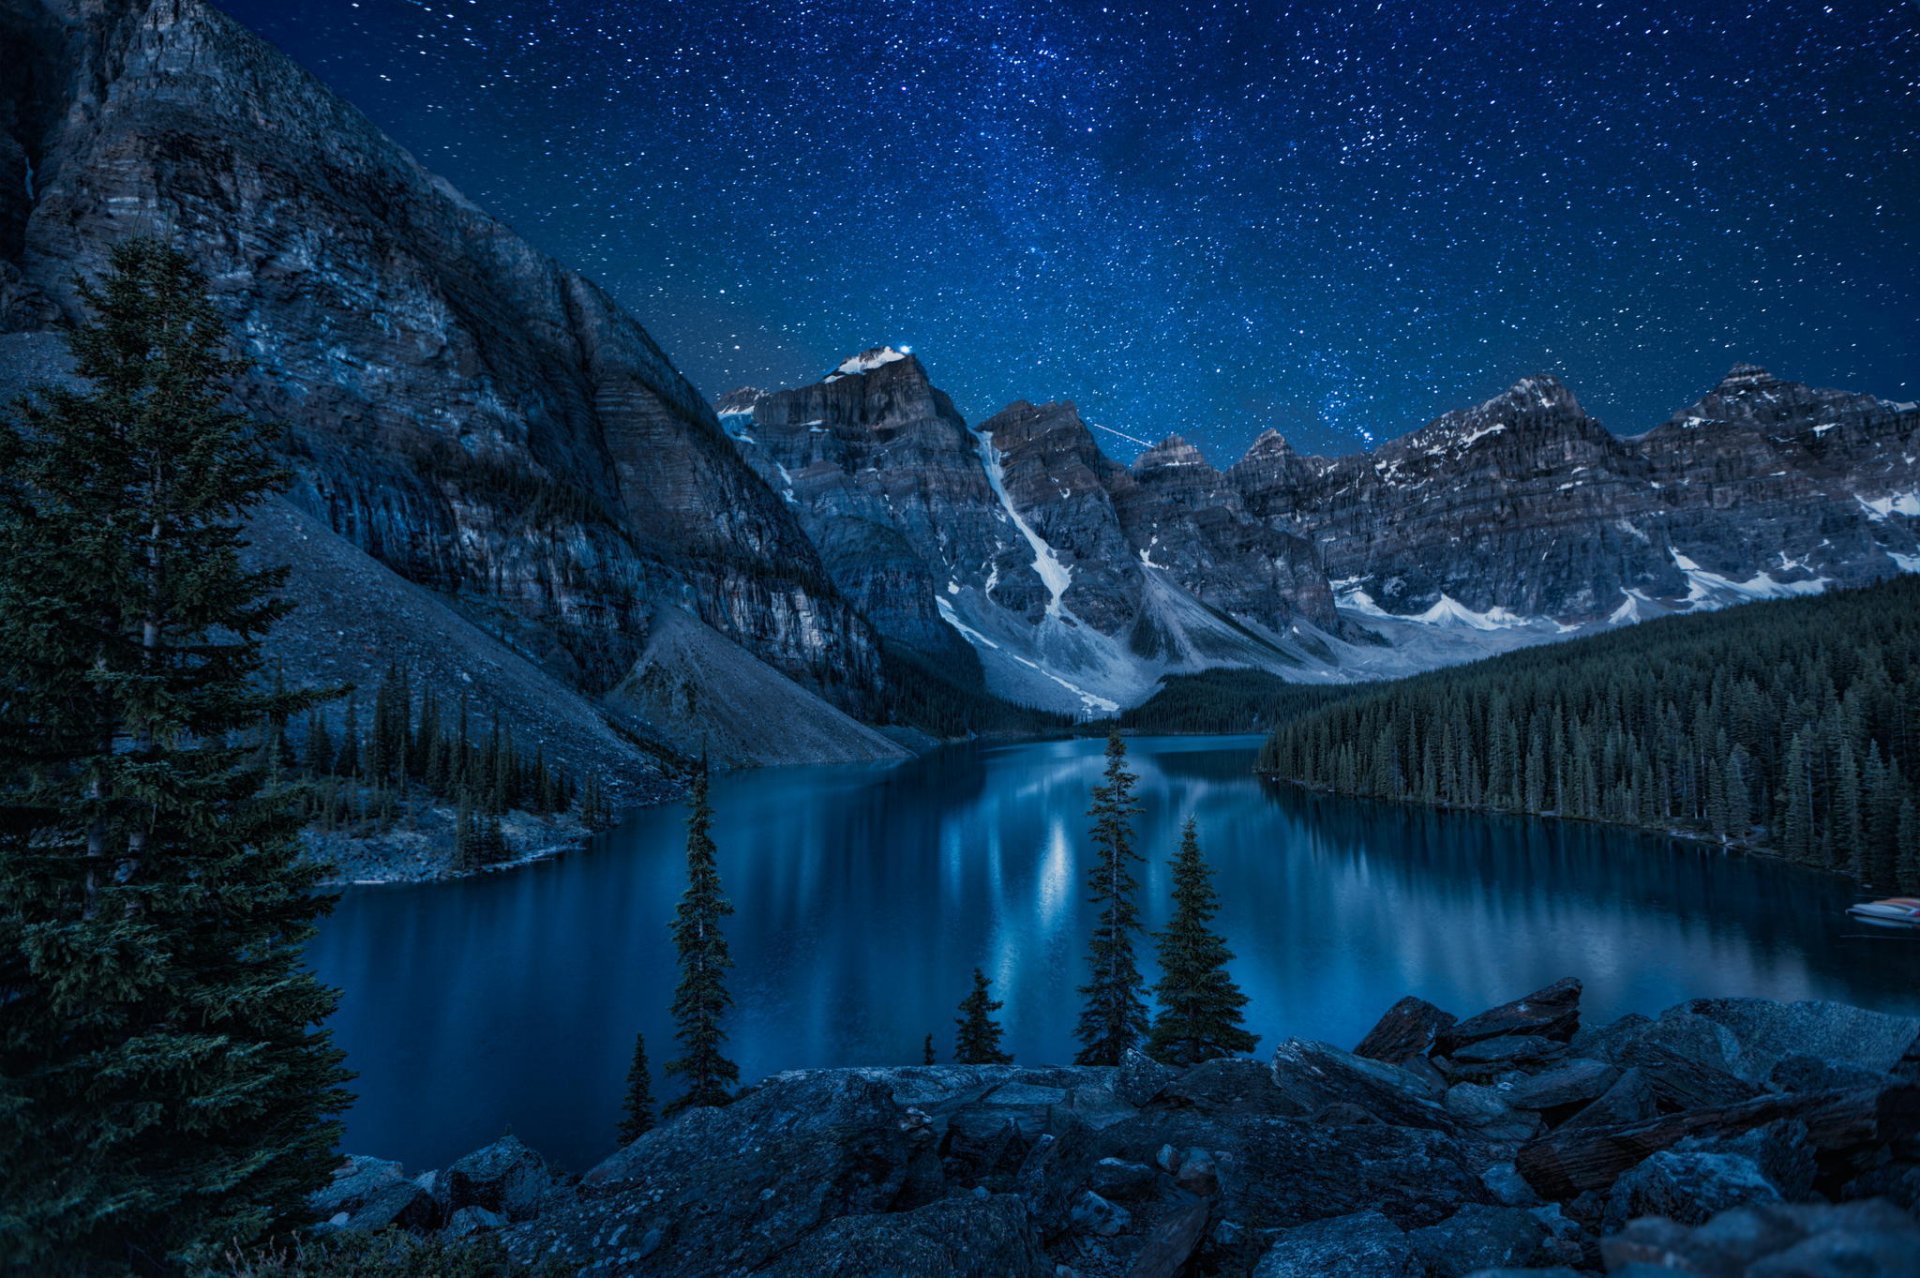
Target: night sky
{"points": [[1333, 219]]}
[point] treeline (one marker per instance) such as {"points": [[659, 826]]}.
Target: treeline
{"points": [[364, 774], [919, 696], [1228, 700], [1792, 726]]}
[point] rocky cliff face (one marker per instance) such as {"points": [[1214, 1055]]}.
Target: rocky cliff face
{"points": [[1525, 509], [1019, 553], [461, 407]]}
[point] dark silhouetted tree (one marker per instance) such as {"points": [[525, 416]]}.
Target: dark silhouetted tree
{"points": [[1115, 1016], [701, 1000], [636, 1111], [165, 1088], [976, 1040], [1200, 1017]]}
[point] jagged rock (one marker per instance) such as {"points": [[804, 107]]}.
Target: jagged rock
{"points": [[1687, 1187], [1363, 1244], [1230, 1085], [1629, 1100], [970, 1237], [1485, 1109], [1288, 1172], [1573, 1159], [1813, 1074], [1140, 1078], [1407, 1030], [1508, 1187], [1096, 1215], [1199, 1173], [1493, 1057], [734, 1188], [469, 1221], [1314, 1076], [355, 1181], [1119, 1180], [1782, 1150], [402, 1203], [505, 1177], [1779, 1240], [1480, 1236], [1550, 1013], [1690, 1062], [1168, 1248], [1569, 1083], [1767, 1033]]}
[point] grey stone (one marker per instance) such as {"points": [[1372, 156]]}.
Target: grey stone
{"points": [[1096, 1215], [1140, 1078], [1551, 1013], [1406, 1032], [1315, 1075], [1118, 1179], [355, 1181], [1481, 1236], [971, 1237], [1688, 1187], [401, 1203], [505, 1176], [1629, 1100], [1571, 1082], [468, 1221], [1363, 1244]]}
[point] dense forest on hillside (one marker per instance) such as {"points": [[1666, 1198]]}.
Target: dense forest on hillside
{"points": [[919, 696], [1228, 700], [1793, 726]]}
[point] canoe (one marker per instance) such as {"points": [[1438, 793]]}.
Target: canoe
{"points": [[1895, 912]]}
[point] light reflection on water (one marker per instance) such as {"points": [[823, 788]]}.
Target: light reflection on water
{"points": [[867, 895]]}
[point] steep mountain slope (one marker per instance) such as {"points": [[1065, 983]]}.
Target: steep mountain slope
{"points": [[462, 408], [1525, 513], [1019, 554]]}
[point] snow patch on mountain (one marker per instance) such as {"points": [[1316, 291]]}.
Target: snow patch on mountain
{"points": [[868, 360], [1711, 590], [1878, 508], [1054, 574]]}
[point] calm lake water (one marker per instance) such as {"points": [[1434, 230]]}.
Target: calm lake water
{"points": [[867, 895]]}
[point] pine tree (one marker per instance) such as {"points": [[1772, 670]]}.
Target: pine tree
{"points": [[977, 1037], [926, 1051], [1115, 1017], [164, 1089], [636, 1112], [1200, 1005], [701, 999]]}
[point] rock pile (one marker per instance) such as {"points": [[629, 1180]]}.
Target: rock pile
{"points": [[1725, 1136]]}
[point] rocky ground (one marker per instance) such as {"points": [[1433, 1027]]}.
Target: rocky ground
{"points": [[1726, 1136]]}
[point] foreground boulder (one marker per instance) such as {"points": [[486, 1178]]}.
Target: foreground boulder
{"points": [[726, 1190], [1850, 1240], [1721, 1132]]}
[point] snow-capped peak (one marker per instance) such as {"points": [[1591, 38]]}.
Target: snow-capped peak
{"points": [[868, 360]]}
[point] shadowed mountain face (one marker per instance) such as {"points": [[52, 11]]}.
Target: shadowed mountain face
{"points": [[461, 407]]}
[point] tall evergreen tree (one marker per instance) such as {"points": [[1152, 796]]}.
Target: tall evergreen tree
{"points": [[926, 1051], [165, 1091], [701, 999], [1115, 1016], [636, 1112], [1200, 1004], [976, 1040]]}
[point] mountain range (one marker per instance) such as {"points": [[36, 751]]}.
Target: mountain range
{"points": [[502, 481]]}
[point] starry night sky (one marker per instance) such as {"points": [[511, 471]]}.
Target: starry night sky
{"points": [[1334, 219]]}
